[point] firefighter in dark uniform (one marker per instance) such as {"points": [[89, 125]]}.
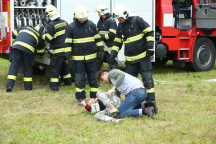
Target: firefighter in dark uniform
{"points": [[27, 39], [107, 30], [85, 46], [138, 38], [55, 35]]}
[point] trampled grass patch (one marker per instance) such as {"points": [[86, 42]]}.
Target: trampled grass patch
{"points": [[187, 112]]}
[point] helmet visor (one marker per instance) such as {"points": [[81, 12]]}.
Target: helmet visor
{"points": [[82, 19], [115, 16]]}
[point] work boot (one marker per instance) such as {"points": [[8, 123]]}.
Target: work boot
{"points": [[9, 89], [117, 121], [152, 103], [50, 89], [148, 111], [79, 102], [113, 110]]}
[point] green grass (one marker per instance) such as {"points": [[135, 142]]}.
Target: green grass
{"points": [[187, 113]]}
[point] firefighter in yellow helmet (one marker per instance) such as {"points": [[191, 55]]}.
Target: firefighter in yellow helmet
{"points": [[138, 37], [55, 35], [107, 30], [84, 45], [28, 39]]}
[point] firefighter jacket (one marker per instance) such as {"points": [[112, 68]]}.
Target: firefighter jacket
{"points": [[55, 35], [82, 41], [137, 36], [27, 39], [107, 29]]}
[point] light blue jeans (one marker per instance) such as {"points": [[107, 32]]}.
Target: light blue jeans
{"points": [[133, 99]]}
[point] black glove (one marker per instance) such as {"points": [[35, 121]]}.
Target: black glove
{"points": [[101, 56], [102, 37], [69, 62], [150, 52], [112, 59]]}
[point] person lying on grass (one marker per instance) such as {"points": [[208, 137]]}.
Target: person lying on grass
{"points": [[106, 106]]}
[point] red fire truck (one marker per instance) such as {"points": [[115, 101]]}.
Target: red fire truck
{"points": [[184, 29], [185, 33]]}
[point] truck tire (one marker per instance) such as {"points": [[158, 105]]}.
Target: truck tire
{"points": [[203, 55]]}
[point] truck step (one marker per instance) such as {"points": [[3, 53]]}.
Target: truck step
{"points": [[183, 49], [184, 38]]}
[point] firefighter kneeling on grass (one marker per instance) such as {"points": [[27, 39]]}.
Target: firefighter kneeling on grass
{"points": [[138, 38], [85, 46], [24, 47]]}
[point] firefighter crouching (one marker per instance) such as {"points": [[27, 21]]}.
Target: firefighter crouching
{"points": [[107, 30], [55, 35], [138, 38], [84, 45], [27, 39]]}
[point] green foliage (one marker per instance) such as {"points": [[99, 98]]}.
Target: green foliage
{"points": [[186, 102]]}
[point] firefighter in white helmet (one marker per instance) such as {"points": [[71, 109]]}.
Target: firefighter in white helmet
{"points": [[83, 45], [138, 38], [28, 39], [55, 35], [107, 30]]}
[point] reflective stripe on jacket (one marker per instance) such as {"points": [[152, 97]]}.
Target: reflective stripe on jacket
{"points": [[82, 41], [138, 36]]}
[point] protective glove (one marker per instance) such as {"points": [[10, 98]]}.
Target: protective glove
{"points": [[150, 52], [102, 37], [112, 59], [69, 62], [101, 55]]}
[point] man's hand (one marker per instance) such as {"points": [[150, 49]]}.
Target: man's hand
{"points": [[109, 92], [101, 55], [150, 52]]}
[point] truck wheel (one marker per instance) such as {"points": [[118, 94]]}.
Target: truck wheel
{"points": [[203, 55]]}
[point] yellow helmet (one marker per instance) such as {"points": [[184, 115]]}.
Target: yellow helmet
{"points": [[52, 13], [39, 27], [120, 11], [102, 9], [81, 13]]}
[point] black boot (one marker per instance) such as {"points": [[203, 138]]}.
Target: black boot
{"points": [[9, 89], [152, 103], [148, 111]]}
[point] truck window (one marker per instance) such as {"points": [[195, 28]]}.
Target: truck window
{"points": [[205, 1], [213, 1]]}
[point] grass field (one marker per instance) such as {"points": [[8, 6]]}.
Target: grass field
{"points": [[187, 113]]}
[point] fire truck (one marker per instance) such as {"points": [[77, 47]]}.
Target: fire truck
{"points": [[184, 29]]}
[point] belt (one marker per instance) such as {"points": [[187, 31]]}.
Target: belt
{"points": [[140, 89]]}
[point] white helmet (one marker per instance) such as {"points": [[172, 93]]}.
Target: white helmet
{"points": [[102, 9], [52, 13], [120, 11], [81, 13]]}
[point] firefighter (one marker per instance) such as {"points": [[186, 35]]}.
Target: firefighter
{"points": [[55, 35], [107, 29], [84, 45], [138, 38], [27, 39]]}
